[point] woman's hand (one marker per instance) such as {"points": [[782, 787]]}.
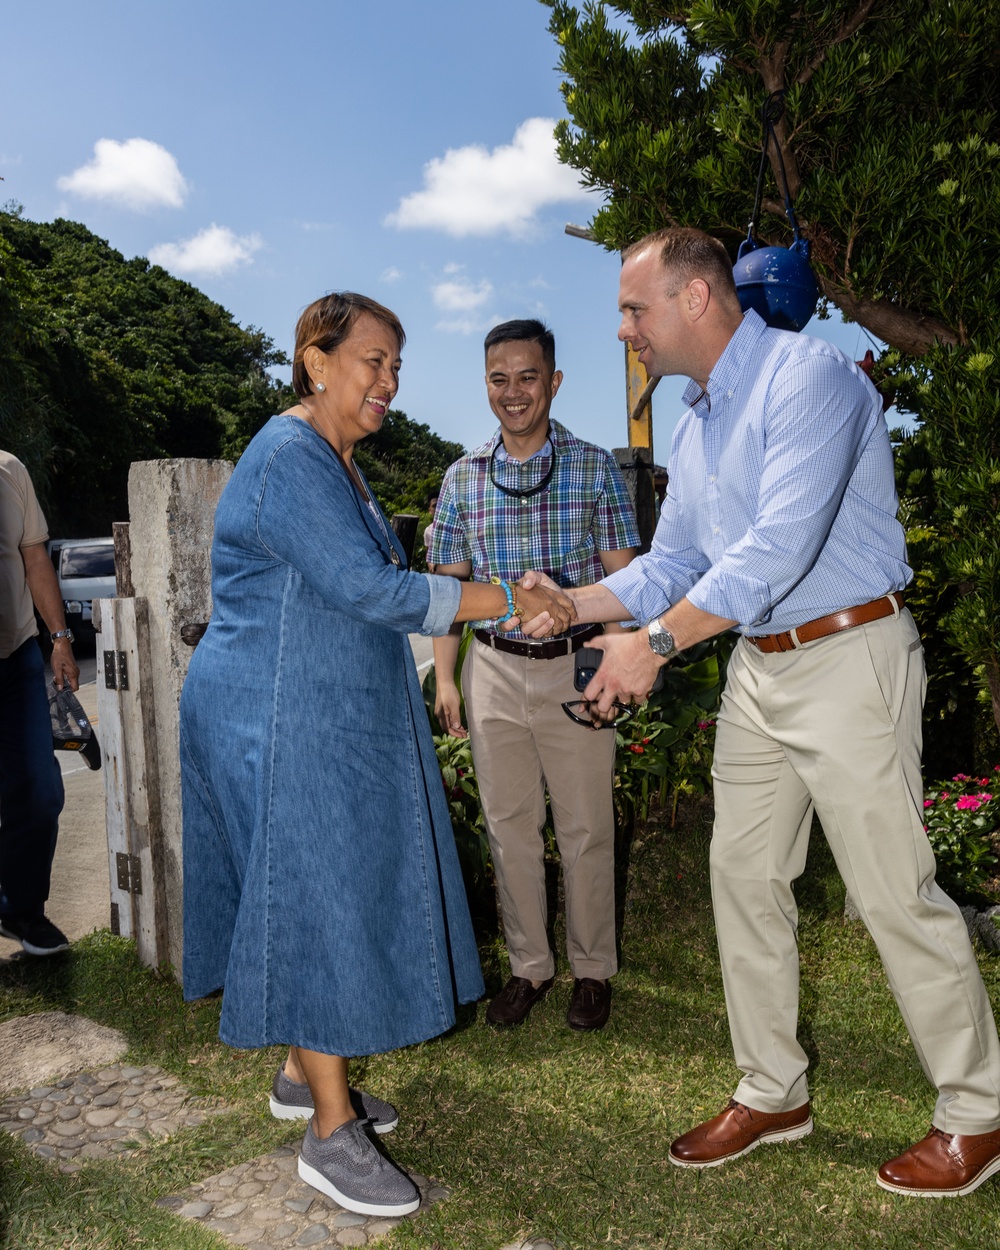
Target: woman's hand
{"points": [[448, 710], [544, 608]]}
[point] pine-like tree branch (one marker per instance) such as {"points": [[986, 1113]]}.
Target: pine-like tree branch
{"points": [[844, 31]]}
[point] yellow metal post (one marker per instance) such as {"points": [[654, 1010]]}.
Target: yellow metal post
{"points": [[638, 390]]}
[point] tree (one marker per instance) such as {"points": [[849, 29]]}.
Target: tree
{"points": [[890, 139], [105, 360]]}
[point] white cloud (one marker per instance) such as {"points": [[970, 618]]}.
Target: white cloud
{"points": [[137, 174], [472, 190], [464, 300], [392, 274], [459, 295], [212, 251]]}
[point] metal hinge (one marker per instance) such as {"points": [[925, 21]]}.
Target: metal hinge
{"points": [[116, 670], [129, 873]]}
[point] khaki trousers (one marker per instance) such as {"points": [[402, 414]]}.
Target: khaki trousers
{"points": [[522, 744], [836, 726]]}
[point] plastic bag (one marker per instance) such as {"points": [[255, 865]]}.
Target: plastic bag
{"points": [[71, 730]]}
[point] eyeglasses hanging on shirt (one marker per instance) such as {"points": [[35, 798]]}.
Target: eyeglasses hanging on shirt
{"points": [[523, 495]]}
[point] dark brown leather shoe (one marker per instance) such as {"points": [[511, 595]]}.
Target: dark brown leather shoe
{"points": [[512, 1005], [590, 1006], [943, 1165], [737, 1131]]}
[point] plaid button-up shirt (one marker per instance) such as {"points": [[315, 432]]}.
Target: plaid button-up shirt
{"points": [[585, 508]]}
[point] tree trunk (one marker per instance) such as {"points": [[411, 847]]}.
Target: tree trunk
{"points": [[911, 332]]}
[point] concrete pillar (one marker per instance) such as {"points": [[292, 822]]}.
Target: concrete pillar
{"points": [[172, 509]]}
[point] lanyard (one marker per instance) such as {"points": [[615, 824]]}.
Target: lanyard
{"points": [[522, 494]]}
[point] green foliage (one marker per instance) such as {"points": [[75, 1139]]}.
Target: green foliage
{"points": [[106, 360], [963, 826], [665, 750], [889, 106], [949, 480]]}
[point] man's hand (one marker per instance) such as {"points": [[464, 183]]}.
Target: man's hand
{"points": [[536, 596], [64, 667], [544, 608], [627, 671], [447, 708]]}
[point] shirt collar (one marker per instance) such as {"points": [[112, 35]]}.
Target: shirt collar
{"points": [[558, 436], [731, 366]]}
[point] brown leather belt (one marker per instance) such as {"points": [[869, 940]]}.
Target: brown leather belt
{"points": [[540, 650], [823, 626]]}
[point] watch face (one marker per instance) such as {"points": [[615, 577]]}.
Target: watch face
{"points": [[660, 639]]}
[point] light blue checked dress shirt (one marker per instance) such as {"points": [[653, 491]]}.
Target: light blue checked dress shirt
{"points": [[781, 504]]}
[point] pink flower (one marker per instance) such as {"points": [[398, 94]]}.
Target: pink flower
{"points": [[968, 804], [961, 777], [984, 796], [928, 802]]}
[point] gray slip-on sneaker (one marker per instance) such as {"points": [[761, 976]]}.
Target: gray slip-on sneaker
{"points": [[347, 1168], [291, 1100]]}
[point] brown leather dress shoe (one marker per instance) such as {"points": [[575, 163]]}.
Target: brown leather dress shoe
{"points": [[943, 1165], [512, 1005], [590, 1006], [737, 1131]]}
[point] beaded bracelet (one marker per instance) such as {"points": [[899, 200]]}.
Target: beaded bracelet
{"points": [[511, 595]]}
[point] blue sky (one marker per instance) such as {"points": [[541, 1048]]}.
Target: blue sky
{"points": [[271, 152]]}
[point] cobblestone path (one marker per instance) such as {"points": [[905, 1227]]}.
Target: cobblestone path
{"points": [[117, 1110]]}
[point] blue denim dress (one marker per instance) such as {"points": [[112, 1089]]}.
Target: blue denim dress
{"points": [[321, 882]]}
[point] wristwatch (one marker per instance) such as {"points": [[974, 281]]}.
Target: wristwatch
{"points": [[661, 640], [61, 633]]}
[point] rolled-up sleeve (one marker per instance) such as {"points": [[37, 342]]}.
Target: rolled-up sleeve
{"points": [[446, 594], [666, 573]]}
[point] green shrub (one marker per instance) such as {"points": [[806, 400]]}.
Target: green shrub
{"points": [[963, 826]]}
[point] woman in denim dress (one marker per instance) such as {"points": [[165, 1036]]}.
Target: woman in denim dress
{"points": [[322, 888]]}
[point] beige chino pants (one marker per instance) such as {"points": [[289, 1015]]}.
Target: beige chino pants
{"points": [[836, 726], [522, 744]]}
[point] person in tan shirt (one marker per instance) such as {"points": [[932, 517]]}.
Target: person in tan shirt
{"points": [[31, 789]]}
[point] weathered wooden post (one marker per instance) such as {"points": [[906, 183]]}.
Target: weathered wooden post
{"points": [[142, 663]]}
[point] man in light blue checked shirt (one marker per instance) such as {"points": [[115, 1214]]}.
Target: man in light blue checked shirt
{"points": [[535, 497], [780, 522]]}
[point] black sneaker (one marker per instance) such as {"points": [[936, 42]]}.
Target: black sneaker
{"points": [[37, 935]]}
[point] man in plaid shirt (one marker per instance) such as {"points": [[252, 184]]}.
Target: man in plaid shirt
{"points": [[535, 497]]}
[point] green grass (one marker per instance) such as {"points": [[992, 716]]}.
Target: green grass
{"points": [[543, 1132]]}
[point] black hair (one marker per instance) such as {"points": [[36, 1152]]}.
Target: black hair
{"points": [[530, 331]]}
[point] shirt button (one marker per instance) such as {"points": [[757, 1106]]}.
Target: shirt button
{"points": [[524, 503], [711, 477], [716, 530]]}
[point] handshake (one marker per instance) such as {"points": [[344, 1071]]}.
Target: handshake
{"points": [[543, 607]]}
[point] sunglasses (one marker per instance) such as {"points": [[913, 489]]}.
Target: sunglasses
{"points": [[580, 711]]}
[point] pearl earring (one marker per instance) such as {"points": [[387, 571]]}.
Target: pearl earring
{"points": [[320, 387]]}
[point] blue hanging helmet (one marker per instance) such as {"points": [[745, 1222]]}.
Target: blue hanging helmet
{"points": [[775, 282]]}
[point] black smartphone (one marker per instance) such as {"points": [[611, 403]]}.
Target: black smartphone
{"points": [[588, 661]]}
